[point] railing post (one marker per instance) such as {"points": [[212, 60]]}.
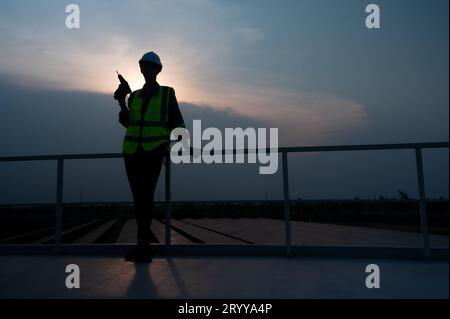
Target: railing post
{"points": [[59, 203], [287, 216], [423, 204], [168, 203]]}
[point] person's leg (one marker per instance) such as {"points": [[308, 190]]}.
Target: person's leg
{"points": [[136, 171], [151, 168], [143, 172]]}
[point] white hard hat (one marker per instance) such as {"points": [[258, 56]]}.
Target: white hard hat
{"points": [[151, 57]]}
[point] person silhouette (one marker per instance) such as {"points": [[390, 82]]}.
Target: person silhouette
{"points": [[151, 114]]}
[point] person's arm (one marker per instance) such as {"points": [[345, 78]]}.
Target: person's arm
{"points": [[124, 114], [175, 119]]}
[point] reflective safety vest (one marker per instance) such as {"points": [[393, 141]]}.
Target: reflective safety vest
{"points": [[150, 131]]}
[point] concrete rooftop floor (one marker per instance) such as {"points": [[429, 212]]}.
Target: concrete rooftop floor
{"points": [[220, 277]]}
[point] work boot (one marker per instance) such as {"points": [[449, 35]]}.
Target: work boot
{"points": [[132, 253], [139, 253], [144, 254]]}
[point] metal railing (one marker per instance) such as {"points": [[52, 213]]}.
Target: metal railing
{"points": [[417, 147]]}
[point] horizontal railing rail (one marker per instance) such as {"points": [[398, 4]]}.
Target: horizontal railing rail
{"points": [[300, 149], [417, 147]]}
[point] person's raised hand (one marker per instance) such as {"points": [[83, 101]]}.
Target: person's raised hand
{"points": [[121, 93]]}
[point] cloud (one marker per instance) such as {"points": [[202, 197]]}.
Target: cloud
{"points": [[196, 44], [303, 118]]}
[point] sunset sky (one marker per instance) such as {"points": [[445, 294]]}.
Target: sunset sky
{"points": [[310, 68]]}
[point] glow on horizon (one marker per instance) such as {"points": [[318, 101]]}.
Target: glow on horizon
{"points": [[104, 79]]}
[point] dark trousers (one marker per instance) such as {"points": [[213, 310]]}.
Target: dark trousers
{"points": [[143, 169]]}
